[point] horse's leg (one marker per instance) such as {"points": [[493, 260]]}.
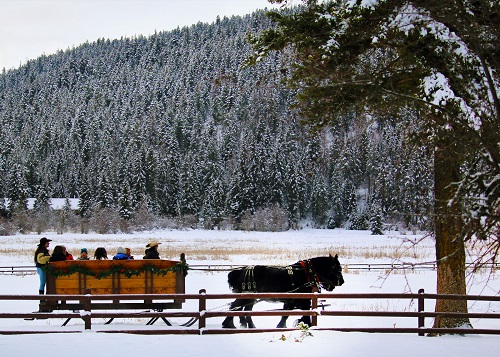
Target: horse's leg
{"points": [[288, 305], [282, 323], [236, 305], [304, 305], [246, 321]]}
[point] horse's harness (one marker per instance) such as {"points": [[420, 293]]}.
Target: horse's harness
{"points": [[312, 276], [250, 285]]}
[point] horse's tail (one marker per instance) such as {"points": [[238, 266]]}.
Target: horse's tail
{"points": [[233, 278]]}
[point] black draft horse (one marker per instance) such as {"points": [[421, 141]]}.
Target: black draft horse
{"points": [[301, 277]]}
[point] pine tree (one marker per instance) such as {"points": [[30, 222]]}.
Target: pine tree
{"points": [[214, 206], [191, 190], [3, 208], [17, 191], [65, 216], [376, 224], [42, 210], [243, 187], [319, 203], [125, 208], [87, 201]]}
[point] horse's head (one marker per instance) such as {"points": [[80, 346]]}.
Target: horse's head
{"points": [[329, 271]]}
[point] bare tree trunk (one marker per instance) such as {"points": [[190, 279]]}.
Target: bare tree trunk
{"points": [[450, 247]]}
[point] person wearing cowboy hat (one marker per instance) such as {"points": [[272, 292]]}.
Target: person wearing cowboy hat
{"points": [[42, 257], [152, 250]]}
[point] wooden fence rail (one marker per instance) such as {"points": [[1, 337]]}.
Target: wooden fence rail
{"points": [[30, 269], [202, 314]]}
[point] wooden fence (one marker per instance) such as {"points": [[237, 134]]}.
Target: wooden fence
{"points": [[30, 269], [199, 318]]}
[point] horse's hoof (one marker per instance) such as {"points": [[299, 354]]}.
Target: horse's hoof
{"points": [[228, 326]]}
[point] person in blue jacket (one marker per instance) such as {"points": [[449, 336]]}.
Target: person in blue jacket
{"points": [[121, 254]]}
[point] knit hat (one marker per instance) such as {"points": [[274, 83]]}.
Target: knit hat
{"points": [[84, 250], [120, 250], [153, 243]]}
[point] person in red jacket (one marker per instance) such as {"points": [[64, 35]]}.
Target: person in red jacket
{"points": [[67, 254]]}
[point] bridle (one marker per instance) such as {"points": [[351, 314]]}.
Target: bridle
{"points": [[314, 279]]}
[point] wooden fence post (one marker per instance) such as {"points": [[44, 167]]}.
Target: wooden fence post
{"points": [[87, 308], [202, 306], [421, 308], [314, 306]]}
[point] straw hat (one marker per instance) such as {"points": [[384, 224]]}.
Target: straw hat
{"points": [[153, 243]]}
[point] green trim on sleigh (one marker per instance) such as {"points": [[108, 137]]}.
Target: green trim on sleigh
{"points": [[118, 269]]}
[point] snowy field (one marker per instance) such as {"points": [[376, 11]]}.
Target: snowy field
{"points": [[241, 248]]}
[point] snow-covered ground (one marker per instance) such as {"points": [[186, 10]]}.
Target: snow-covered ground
{"points": [[241, 248]]}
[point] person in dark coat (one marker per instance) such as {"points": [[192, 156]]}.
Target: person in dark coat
{"points": [[121, 254], [100, 254], [58, 255], [152, 250]]}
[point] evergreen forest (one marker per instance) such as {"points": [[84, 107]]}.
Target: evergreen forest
{"points": [[173, 127]]}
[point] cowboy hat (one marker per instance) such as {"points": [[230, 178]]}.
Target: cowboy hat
{"points": [[44, 240], [153, 243]]}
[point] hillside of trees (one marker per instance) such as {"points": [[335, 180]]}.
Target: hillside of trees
{"points": [[171, 127]]}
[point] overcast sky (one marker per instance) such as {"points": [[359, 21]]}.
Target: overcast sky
{"points": [[30, 28]]}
